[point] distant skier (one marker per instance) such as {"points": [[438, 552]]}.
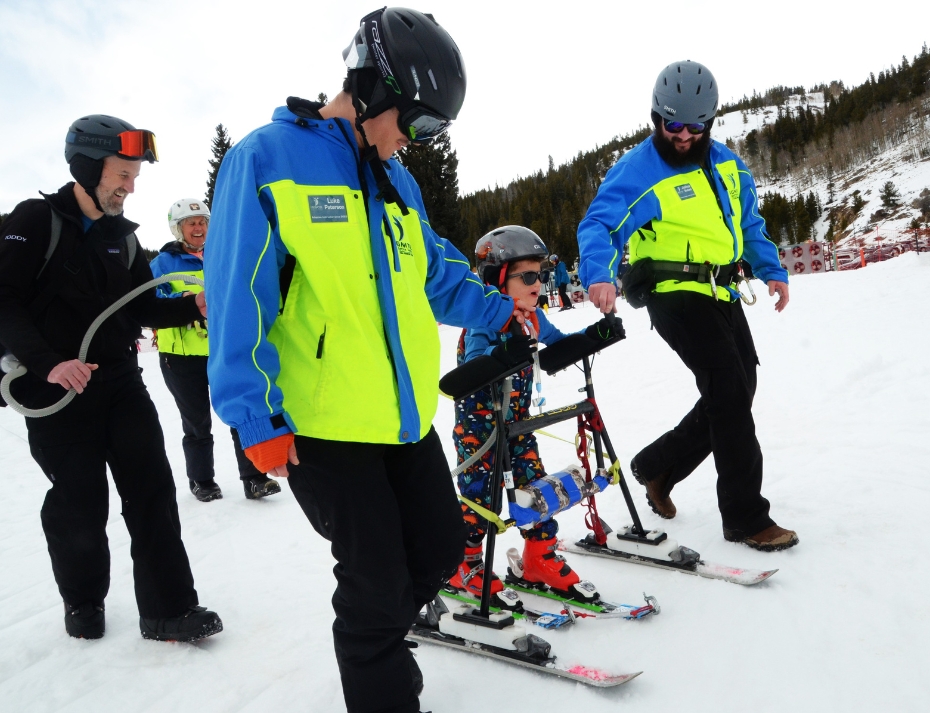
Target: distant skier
{"points": [[561, 281], [510, 259], [689, 207], [182, 355]]}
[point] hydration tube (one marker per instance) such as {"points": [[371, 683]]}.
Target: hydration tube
{"points": [[15, 369]]}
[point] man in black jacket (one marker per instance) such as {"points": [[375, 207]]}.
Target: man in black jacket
{"points": [[45, 309]]}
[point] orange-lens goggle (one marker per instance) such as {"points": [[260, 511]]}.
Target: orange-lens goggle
{"points": [[135, 145], [138, 144]]}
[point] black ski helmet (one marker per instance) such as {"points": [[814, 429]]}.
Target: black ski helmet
{"points": [[686, 92], [505, 245], [414, 65], [92, 138]]}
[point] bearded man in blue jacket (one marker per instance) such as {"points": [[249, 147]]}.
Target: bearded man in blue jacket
{"points": [[326, 282], [688, 207]]}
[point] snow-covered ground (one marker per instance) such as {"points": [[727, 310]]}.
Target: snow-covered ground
{"points": [[842, 416]]}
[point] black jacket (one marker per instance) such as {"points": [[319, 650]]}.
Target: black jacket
{"points": [[103, 275]]}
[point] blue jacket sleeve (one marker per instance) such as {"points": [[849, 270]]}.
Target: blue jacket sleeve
{"points": [[161, 265], [480, 342], [456, 295], [758, 250], [241, 274], [623, 204]]}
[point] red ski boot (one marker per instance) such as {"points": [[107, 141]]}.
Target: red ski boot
{"points": [[543, 568], [469, 578]]}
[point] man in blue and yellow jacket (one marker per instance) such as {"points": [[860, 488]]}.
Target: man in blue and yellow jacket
{"points": [[689, 209], [326, 282]]}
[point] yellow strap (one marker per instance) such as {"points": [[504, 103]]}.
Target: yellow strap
{"points": [[487, 515], [615, 471]]}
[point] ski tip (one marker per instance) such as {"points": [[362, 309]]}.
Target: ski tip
{"points": [[597, 677]]}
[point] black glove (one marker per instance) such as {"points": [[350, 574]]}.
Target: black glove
{"points": [[606, 328], [516, 350]]}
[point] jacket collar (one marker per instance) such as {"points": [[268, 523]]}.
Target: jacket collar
{"points": [[65, 204]]}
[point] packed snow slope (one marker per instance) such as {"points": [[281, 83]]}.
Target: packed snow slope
{"points": [[843, 417]]}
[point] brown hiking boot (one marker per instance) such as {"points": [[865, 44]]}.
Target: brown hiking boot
{"points": [[771, 539], [656, 493]]}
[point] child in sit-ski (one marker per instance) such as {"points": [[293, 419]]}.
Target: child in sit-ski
{"points": [[510, 258]]}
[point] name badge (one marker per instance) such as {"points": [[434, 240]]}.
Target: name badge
{"points": [[685, 192], [328, 209]]}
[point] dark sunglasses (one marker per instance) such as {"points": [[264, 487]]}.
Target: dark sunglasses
{"points": [[676, 127], [530, 277], [421, 126], [134, 145]]}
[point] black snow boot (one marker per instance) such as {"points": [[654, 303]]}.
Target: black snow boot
{"points": [[206, 490], [85, 621], [259, 486], [194, 624]]}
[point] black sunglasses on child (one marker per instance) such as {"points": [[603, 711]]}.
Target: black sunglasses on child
{"points": [[531, 276]]}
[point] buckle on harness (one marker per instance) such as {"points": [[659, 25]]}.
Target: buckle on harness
{"points": [[740, 279], [712, 273]]}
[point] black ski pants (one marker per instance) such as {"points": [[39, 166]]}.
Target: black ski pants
{"points": [[113, 422], [392, 516], [186, 379], [563, 294], [713, 340]]}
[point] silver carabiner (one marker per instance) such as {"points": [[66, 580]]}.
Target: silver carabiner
{"points": [[752, 292], [714, 270]]}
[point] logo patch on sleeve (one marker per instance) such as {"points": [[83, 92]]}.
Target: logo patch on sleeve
{"points": [[328, 209], [685, 191]]}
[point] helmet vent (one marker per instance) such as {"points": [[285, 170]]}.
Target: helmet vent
{"points": [[432, 79], [679, 88], [406, 20], [699, 89]]}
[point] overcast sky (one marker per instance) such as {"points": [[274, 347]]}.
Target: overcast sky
{"points": [[544, 78]]}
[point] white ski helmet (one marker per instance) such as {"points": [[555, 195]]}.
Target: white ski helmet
{"points": [[185, 208]]}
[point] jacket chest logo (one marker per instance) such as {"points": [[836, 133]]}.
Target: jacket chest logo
{"points": [[685, 191], [733, 190], [328, 209], [403, 247]]}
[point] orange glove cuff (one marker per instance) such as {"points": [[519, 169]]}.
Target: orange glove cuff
{"points": [[268, 455]]}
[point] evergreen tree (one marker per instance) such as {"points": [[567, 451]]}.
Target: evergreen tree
{"points": [[322, 98], [221, 144], [435, 167], [891, 199]]}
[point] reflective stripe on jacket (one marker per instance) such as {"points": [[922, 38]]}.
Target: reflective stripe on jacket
{"points": [[675, 214], [350, 350]]}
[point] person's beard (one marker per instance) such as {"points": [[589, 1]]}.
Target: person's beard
{"points": [[110, 203], [694, 155]]}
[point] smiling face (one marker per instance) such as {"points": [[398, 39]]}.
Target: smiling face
{"points": [[682, 141], [383, 131], [194, 232], [525, 296], [116, 181]]}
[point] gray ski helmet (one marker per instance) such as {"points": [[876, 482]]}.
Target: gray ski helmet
{"points": [[553, 258], [504, 245], [686, 92], [92, 138], [418, 63]]}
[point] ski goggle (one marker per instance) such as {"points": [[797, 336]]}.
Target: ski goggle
{"points": [[421, 126], [134, 145], [676, 127], [531, 277]]}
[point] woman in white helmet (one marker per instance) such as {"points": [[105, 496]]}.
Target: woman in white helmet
{"points": [[183, 353]]}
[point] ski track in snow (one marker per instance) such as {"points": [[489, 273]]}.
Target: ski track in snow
{"points": [[841, 413]]}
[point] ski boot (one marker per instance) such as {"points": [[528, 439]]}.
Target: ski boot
{"points": [[85, 621], [469, 579], [194, 624], [541, 568], [259, 486], [206, 490]]}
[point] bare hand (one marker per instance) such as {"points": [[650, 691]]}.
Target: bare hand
{"points": [[201, 300], [72, 374], [281, 470], [782, 289], [603, 295]]}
